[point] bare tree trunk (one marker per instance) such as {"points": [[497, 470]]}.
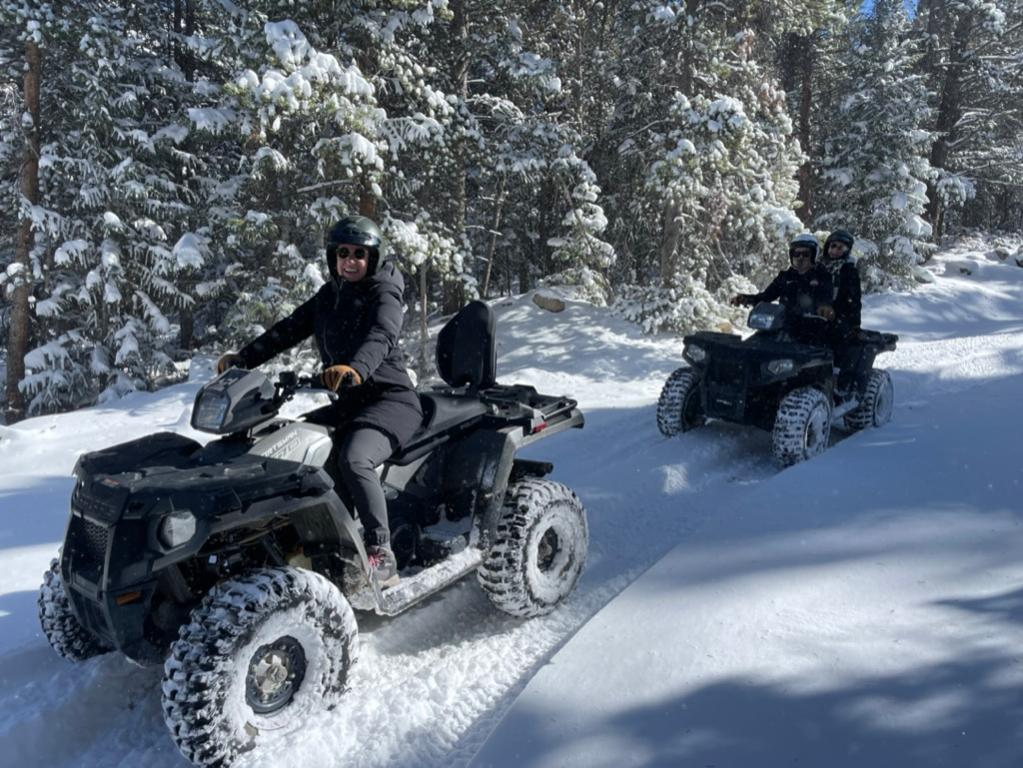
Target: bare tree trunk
{"points": [[424, 326], [672, 233], [454, 291], [950, 111], [17, 341], [806, 169], [184, 14], [499, 207], [367, 201]]}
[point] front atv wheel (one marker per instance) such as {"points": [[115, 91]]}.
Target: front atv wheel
{"points": [[63, 631], [678, 408], [878, 399], [260, 653], [540, 549], [802, 426]]}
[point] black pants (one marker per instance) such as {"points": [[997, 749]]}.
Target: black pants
{"points": [[360, 452], [851, 359], [371, 423]]}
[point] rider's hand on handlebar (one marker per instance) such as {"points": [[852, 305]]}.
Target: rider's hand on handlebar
{"points": [[230, 360], [739, 300], [341, 377]]}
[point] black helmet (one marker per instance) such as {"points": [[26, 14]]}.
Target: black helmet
{"points": [[356, 230], [838, 236], [805, 240]]}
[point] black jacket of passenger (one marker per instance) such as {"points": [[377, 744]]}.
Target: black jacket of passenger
{"points": [[800, 294], [355, 324], [847, 299]]}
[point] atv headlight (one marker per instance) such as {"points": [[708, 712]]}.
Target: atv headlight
{"points": [[177, 528], [210, 411], [778, 367], [695, 353]]}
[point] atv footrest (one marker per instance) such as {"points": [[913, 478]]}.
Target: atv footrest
{"points": [[412, 589]]}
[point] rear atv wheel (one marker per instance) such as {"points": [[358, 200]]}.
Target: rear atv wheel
{"points": [[260, 653], [63, 631], [678, 408], [540, 549], [876, 408], [802, 426]]}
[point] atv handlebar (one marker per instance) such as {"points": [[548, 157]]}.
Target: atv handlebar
{"points": [[289, 382]]}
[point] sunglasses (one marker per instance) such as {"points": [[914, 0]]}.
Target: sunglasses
{"points": [[801, 255], [344, 252]]}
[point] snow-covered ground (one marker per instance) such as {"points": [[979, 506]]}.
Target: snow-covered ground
{"points": [[862, 609]]}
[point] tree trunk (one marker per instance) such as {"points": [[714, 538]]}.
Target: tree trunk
{"points": [[367, 201], [17, 341], [671, 234], [454, 291], [805, 101], [184, 14], [424, 326], [950, 111], [492, 247]]}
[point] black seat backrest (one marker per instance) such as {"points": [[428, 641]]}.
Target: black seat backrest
{"points": [[466, 350]]}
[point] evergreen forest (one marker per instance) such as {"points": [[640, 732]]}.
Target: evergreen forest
{"points": [[168, 168]]}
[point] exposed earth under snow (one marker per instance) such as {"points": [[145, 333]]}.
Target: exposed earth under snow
{"points": [[864, 608]]}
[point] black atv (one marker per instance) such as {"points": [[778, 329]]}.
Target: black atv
{"points": [[781, 379], [237, 564]]}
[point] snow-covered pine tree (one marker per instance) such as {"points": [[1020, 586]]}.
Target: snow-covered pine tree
{"points": [[321, 106], [972, 64], [522, 150], [21, 41], [580, 255], [719, 185], [875, 167], [805, 42], [111, 209]]}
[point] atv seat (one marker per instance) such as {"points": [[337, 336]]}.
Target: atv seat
{"points": [[443, 411], [466, 360]]}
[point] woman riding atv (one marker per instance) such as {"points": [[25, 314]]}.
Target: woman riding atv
{"points": [[356, 318]]}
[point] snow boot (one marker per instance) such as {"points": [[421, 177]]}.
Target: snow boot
{"points": [[382, 565]]}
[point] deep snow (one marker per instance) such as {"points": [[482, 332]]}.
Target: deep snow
{"points": [[861, 609]]}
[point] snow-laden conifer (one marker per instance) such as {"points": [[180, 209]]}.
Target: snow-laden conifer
{"points": [[876, 168]]}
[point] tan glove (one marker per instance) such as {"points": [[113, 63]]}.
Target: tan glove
{"points": [[826, 311], [230, 360], [340, 377]]}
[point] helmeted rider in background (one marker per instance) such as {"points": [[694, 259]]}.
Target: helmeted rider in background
{"points": [[843, 336], [805, 288], [356, 318]]}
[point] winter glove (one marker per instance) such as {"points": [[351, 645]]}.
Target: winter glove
{"points": [[741, 300], [826, 311], [341, 377], [230, 360]]}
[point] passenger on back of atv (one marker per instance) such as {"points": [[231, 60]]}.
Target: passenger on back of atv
{"points": [[356, 318]]}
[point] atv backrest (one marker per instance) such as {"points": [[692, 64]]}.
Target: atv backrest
{"points": [[466, 350]]}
